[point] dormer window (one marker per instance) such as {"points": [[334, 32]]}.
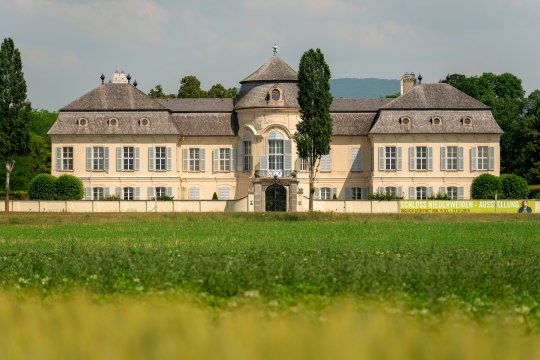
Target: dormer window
{"points": [[436, 120], [144, 122], [113, 122], [405, 120], [82, 122], [467, 120], [276, 94]]}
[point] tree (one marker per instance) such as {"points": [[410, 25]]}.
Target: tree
{"points": [[514, 187], [219, 91], [14, 110], [486, 186], [190, 87], [531, 138], [314, 131], [157, 93]]}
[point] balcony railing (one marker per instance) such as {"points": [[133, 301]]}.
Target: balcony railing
{"points": [[272, 173]]}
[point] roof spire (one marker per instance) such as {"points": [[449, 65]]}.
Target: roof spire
{"points": [[102, 77], [420, 79], [275, 47]]}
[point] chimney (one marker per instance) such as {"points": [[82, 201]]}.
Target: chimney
{"points": [[408, 81], [120, 78]]}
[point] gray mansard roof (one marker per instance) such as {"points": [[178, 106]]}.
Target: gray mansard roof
{"points": [[198, 105], [205, 124], [255, 95], [274, 70]]}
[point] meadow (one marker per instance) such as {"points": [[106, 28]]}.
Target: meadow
{"points": [[448, 278]]}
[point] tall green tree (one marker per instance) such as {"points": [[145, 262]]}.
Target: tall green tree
{"points": [[14, 110], [219, 91], [157, 93], [190, 87], [314, 131], [531, 138]]}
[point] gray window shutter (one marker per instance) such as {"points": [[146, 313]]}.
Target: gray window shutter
{"points": [[334, 192], [460, 158], [150, 193], [429, 192], [355, 159], [202, 160], [58, 151], [381, 190], [460, 193], [365, 193], [137, 158], [412, 166], [106, 162], [118, 192], [168, 191], [88, 193], [216, 160], [118, 158], [106, 192], [264, 163], [473, 158], [233, 159], [399, 161], [137, 195], [443, 158], [287, 157], [317, 194], [399, 191], [151, 159], [88, 158], [348, 193], [412, 193], [491, 158], [359, 157], [430, 158], [240, 156], [442, 190], [185, 166], [381, 158], [169, 159]]}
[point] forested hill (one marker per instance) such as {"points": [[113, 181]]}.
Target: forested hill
{"points": [[363, 88]]}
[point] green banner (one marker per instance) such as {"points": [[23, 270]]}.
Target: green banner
{"points": [[466, 206]]}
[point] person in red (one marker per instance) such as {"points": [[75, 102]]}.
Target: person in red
{"points": [[525, 209]]}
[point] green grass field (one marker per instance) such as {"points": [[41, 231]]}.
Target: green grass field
{"points": [[479, 269]]}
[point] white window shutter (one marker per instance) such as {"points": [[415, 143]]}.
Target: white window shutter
{"points": [[326, 163], [317, 194], [491, 158], [169, 159], [399, 191], [88, 193], [287, 157], [443, 158], [334, 193], [365, 193], [106, 192], [106, 162], [264, 163], [381, 158], [240, 156], [168, 191], [137, 194], [460, 158], [412, 193], [216, 159], [359, 157], [381, 190], [355, 159], [442, 191], [202, 160], [151, 159], [399, 158], [460, 193], [58, 151], [412, 166], [88, 158], [224, 193], [430, 158], [150, 192], [118, 192], [233, 159], [137, 158], [118, 158], [473, 158], [185, 158], [430, 192], [348, 193]]}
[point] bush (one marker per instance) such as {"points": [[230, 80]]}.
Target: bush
{"points": [[111, 198], [384, 197], [214, 197], [440, 196], [486, 186], [514, 187], [165, 198], [15, 195], [42, 187], [69, 187]]}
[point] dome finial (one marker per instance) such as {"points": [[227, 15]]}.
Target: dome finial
{"points": [[275, 47], [420, 79], [102, 77]]}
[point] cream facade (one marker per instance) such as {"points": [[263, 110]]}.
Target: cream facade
{"points": [[431, 140]]}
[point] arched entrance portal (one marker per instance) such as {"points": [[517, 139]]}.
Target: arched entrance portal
{"points": [[276, 198]]}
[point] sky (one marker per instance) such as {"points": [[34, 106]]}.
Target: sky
{"points": [[66, 45]]}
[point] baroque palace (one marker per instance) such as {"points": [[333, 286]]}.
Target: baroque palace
{"points": [[119, 141]]}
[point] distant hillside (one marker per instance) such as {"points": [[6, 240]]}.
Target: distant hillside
{"points": [[363, 88]]}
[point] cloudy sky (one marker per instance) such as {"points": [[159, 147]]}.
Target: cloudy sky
{"points": [[66, 45]]}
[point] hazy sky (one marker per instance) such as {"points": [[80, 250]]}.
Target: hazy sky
{"points": [[66, 45]]}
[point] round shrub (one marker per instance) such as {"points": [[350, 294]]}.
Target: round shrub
{"points": [[514, 187], [534, 194], [69, 187], [42, 187], [486, 186]]}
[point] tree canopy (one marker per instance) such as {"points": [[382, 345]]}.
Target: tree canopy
{"points": [[157, 93], [314, 131]]}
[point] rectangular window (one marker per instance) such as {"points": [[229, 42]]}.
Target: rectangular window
{"points": [[128, 158], [128, 193], [161, 191], [421, 193], [224, 159], [161, 158], [452, 192], [98, 193], [482, 158], [98, 159], [193, 193], [356, 193], [194, 159], [67, 158], [303, 164], [248, 158], [421, 158], [391, 191], [452, 158], [390, 158], [326, 193], [224, 193], [275, 154]]}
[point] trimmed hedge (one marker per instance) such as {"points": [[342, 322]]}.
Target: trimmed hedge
{"points": [[42, 187], [69, 187], [486, 186], [15, 195], [514, 187]]}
